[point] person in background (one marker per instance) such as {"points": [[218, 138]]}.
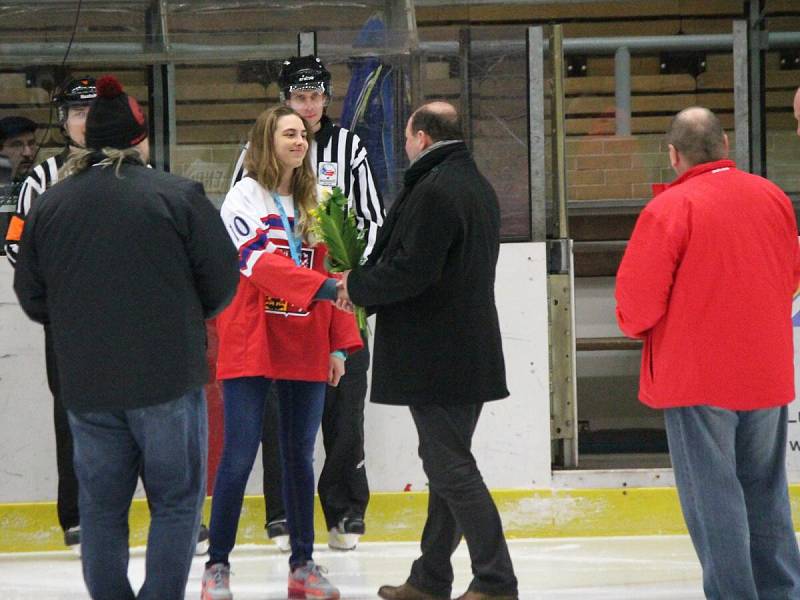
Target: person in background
{"points": [[282, 329], [97, 254], [72, 102], [18, 147], [706, 282], [338, 158], [430, 281]]}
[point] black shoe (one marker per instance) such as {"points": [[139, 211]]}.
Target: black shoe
{"points": [[345, 535], [276, 528], [352, 525], [72, 536], [278, 532], [72, 539], [202, 541]]}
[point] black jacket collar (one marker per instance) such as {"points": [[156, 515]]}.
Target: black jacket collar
{"points": [[413, 174], [325, 132], [429, 162]]}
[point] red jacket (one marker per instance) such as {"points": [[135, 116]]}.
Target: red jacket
{"points": [[273, 328], [707, 282]]}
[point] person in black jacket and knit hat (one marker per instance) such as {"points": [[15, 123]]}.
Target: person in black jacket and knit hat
{"points": [[125, 263]]}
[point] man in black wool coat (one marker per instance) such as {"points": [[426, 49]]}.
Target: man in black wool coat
{"points": [[430, 280]]}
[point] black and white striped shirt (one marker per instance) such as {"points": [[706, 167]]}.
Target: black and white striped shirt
{"points": [[43, 176], [340, 159]]}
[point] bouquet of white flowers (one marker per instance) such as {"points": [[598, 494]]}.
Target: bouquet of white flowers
{"points": [[335, 225]]}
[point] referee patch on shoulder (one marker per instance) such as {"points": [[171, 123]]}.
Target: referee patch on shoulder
{"points": [[15, 228]]}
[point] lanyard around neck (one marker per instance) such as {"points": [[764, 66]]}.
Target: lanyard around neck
{"points": [[295, 244]]}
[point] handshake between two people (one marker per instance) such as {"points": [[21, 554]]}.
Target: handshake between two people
{"points": [[340, 297], [343, 301]]}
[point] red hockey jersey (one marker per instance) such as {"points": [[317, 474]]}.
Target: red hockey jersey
{"points": [[274, 328]]}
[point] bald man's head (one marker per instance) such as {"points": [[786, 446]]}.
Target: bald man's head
{"points": [[797, 109], [697, 135], [439, 120]]}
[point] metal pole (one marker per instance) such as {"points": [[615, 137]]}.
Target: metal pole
{"points": [[28, 53], [161, 89], [741, 93], [757, 44], [536, 135], [465, 58], [559, 132], [622, 81]]}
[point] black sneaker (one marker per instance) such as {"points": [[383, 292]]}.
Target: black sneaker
{"points": [[353, 525], [278, 532], [345, 535], [202, 541], [72, 539], [276, 528]]}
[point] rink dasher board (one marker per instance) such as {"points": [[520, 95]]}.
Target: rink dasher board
{"points": [[511, 443]]}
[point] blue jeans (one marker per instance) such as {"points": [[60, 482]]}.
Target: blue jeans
{"points": [[731, 476], [300, 405], [168, 443]]}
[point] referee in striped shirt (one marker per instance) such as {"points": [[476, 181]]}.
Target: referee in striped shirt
{"points": [[339, 160], [73, 101]]}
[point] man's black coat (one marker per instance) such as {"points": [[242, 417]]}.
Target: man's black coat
{"points": [[430, 279], [124, 269]]}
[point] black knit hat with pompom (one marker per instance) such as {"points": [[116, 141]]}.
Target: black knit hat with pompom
{"points": [[115, 120]]}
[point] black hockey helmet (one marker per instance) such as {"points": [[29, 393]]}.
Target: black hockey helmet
{"points": [[75, 92], [304, 73]]}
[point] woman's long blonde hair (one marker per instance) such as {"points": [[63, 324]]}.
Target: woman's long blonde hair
{"points": [[262, 164]]}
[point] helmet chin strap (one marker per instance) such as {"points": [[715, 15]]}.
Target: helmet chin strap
{"points": [[70, 142]]}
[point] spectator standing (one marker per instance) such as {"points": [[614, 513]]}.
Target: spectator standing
{"points": [[99, 253], [18, 146], [72, 101], [707, 282]]}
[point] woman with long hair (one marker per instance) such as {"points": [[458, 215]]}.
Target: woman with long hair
{"points": [[282, 328]]}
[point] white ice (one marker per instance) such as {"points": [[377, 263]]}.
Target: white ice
{"points": [[629, 568]]}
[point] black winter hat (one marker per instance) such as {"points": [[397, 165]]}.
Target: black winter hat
{"points": [[115, 120], [13, 126]]}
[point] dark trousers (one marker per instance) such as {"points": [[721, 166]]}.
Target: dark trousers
{"points": [[67, 503], [299, 414], [459, 504], [168, 444], [271, 460], [343, 488]]}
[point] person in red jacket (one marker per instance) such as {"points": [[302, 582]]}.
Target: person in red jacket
{"points": [[282, 328], [706, 282]]}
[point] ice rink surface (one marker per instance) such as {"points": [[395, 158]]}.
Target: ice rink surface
{"points": [[629, 568]]}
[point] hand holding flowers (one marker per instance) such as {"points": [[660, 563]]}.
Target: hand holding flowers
{"points": [[335, 225]]}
